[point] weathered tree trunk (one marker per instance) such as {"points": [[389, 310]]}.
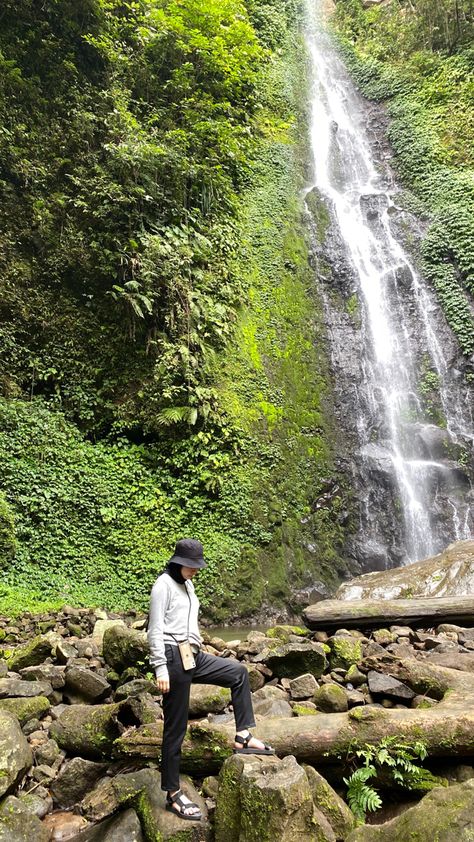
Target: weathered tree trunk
{"points": [[447, 729], [364, 613]]}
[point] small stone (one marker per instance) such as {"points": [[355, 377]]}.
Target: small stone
{"points": [[331, 698], [63, 826], [44, 672], [384, 636], [43, 773], [47, 753], [35, 805], [379, 683], [354, 676], [423, 702], [65, 651], [16, 688], [303, 687]]}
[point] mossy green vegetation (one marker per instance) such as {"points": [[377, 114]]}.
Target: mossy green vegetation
{"points": [[418, 58], [163, 369]]}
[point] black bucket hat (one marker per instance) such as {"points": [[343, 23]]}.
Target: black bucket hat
{"points": [[189, 553]]}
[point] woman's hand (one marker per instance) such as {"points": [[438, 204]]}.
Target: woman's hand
{"points": [[163, 685]]}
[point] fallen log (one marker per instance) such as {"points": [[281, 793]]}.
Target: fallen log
{"points": [[368, 613], [447, 729]]}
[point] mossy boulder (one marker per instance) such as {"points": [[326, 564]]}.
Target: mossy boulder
{"points": [[331, 698], [293, 659], [15, 753], [22, 827], [284, 632], [345, 651], [30, 654], [264, 799], [123, 647], [444, 815], [26, 709], [207, 698], [89, 731], [338, 814]]}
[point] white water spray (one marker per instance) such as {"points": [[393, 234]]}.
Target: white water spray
{"points": [[360, 202]]}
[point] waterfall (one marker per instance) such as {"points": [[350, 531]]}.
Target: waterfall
{"points": [[410, 462]]}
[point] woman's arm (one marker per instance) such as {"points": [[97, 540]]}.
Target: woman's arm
{"points": [[158, 605]]}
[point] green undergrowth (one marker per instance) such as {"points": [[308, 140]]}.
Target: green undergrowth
{"points": [[230, 439], [425, 73]]}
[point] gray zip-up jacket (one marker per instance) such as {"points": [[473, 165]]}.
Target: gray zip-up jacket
{"points": [[173, 618]]}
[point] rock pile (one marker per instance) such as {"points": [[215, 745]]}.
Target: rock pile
{"points": [[80, 727]]}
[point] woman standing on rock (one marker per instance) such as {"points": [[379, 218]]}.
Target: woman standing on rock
{"points": [[176, 656]]}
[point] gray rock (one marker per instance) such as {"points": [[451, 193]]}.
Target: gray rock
{"points": [[207, 698], [296, 658], [28, 654], [35, 805], [65, 651], [256, 678], [16, 688], [123, 647], [272, 707], [331, 698], [26, 709], [15, 753], [45, 672], [122, 828], [336, 811], [101, 627], [385, 685], [22, 827], [47, 753], [85, 685], [76, 778], [303, 687], [264, 798], [135, 688]]}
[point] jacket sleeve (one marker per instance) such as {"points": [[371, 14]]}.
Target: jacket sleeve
{"points": [[158, 605]]}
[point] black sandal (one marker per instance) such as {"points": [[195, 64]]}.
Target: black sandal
{"points": [[246, 749], [177, 798]]}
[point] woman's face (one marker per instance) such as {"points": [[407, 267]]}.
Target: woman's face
{"points": [[188, 572]]}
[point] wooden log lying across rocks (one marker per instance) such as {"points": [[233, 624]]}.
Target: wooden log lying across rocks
{"points": [[368, 613], [447, 729]]}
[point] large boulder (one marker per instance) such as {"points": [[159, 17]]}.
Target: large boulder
{"points": [[15, 753], [207, 698], [26, 709], [22, 827], [123, 647], [338, 814], [450, 573], [292, 659], [84, 685], [142, 789], [266, 799], [16, 688], [75, 779], [90, 731], [446, 815], [122, 828], [30, 654]]}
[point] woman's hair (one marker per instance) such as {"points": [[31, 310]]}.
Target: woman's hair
{"points": [[173, 569]]}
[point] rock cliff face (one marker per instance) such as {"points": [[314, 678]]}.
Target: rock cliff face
{"points": [[450, 573]]}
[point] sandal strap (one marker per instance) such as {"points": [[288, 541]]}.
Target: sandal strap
{"points": [[177, 798], [244, 741]]}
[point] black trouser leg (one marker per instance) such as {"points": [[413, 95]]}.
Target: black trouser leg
{"points": [[209, 669], [175, 716], [228, 673]]}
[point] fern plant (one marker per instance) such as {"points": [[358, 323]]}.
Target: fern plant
{"points": [[398, 756]]}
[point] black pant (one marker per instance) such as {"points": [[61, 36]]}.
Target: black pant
{"points": [[209, 669]]}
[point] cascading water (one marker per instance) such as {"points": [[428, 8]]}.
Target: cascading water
{"points": [[410, 461]]}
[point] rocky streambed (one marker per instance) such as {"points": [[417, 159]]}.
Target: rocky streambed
{"points": [[80, 733]]}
